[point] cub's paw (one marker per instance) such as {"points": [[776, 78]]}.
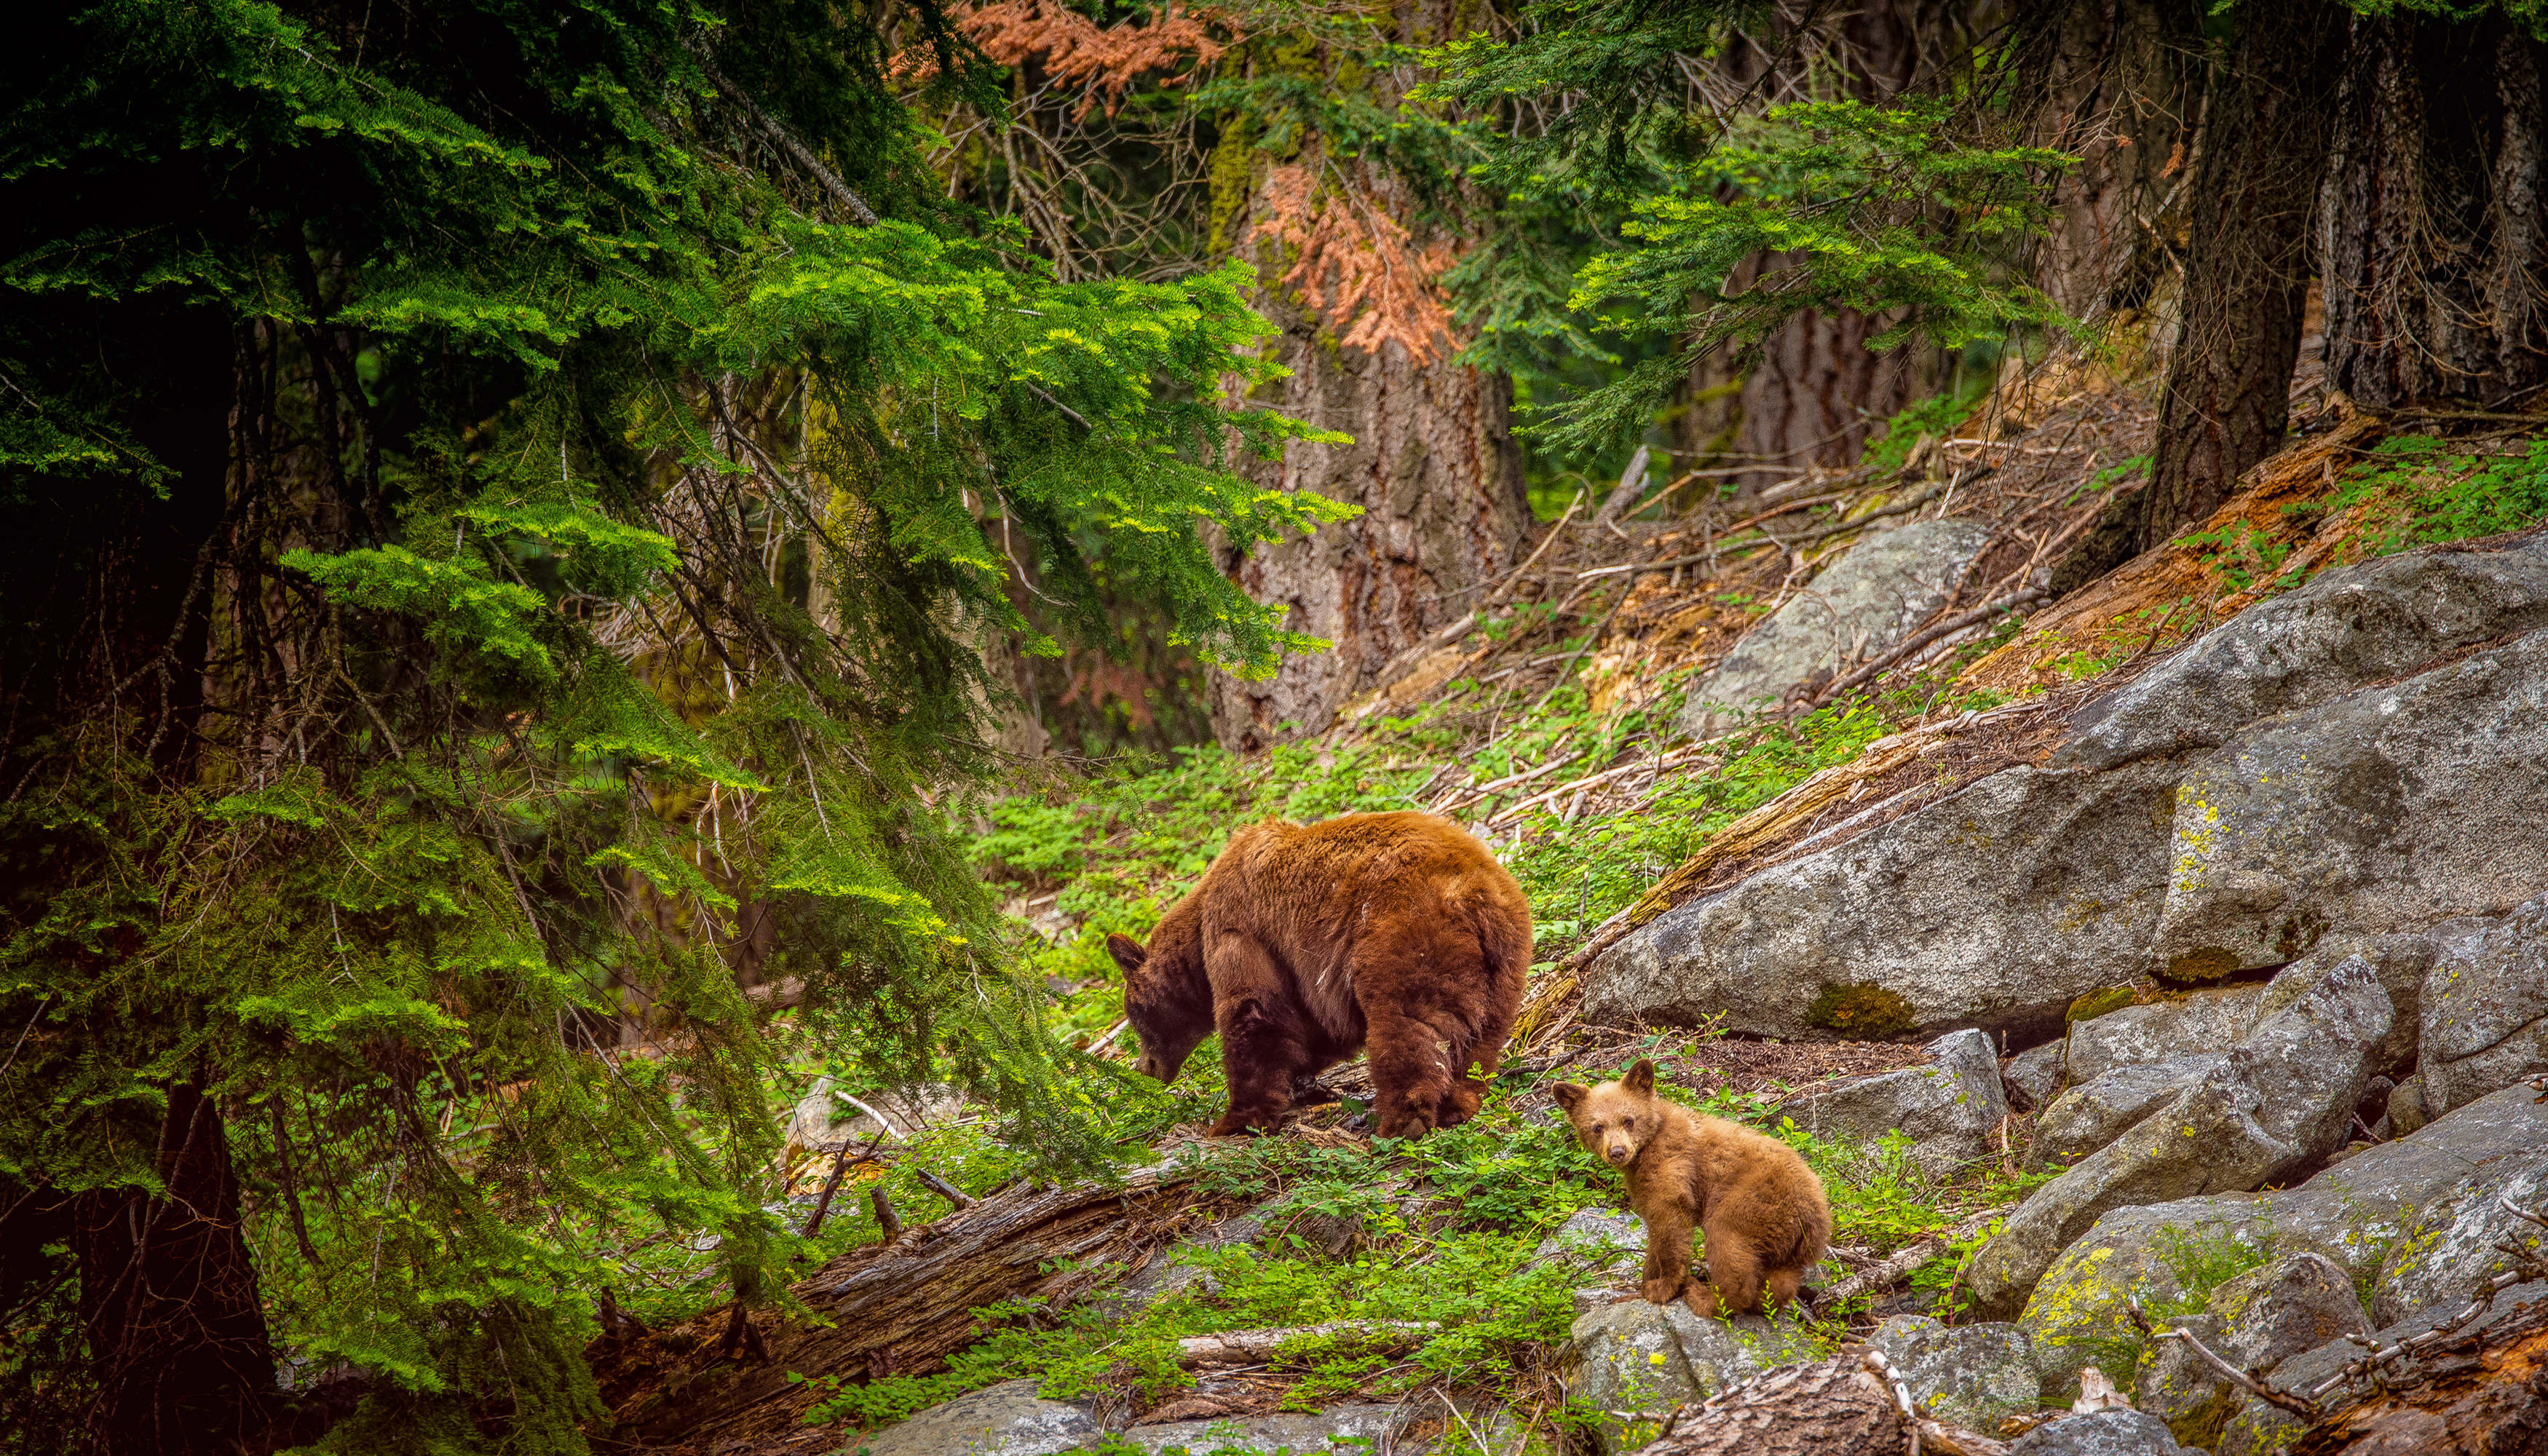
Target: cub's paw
{"points": [[1702, 1299], [1664, 1289]]}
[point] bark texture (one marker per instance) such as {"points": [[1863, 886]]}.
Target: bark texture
{"points": [[2265, 141], [2434, 235], [2118, 84], [1433, 466], [1814, 394], [896, 1309], [2484, 1393], [168, 1298], [1834, 1407]]}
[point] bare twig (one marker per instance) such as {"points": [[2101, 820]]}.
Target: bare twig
{"points": [[945, 1189], [786, 142]]}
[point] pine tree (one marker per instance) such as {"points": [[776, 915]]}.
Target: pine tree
{"points": [[500, 492]]}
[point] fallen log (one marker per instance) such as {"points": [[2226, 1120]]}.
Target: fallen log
{"points": [[1832, 1408], [1265, 1346], [901, 1308], [2484, 1390]]}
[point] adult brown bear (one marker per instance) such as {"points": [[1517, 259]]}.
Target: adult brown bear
{"points": [[1303, 944]]}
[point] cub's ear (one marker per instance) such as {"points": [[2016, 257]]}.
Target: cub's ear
{"points": [[1569, 1095], [1639, 1078], [1128, 952]]}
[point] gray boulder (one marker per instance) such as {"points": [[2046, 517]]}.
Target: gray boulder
{"points": [[2033, 1077], [1345, 1429], [2486, 1006], [2398, 960], [1005, 1419], [2350, 628], [1632, 1362], [1868, 601], [1995, 907], [2393, 808], [2449, 1246], [2352, 1214], [2292, 1306], [1973, 1375], [1601, 1243], [2162, 1031], [1949, 1108], [2273, 1105], [2095, 1113], [2100, 1433], [2180, 1388]]}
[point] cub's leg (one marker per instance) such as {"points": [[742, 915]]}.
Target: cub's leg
{"points": [[1780, 1288], [1263, 1046], [1667, 1272], [1733, 1267]]}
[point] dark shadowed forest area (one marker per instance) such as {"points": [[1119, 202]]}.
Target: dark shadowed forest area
{"points": [[609, 603]]}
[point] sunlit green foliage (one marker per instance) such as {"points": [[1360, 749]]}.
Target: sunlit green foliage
{"points": [[505, 548]]}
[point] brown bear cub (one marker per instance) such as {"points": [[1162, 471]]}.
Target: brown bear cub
{"points": [[1302, 945], [1762, 1208]]}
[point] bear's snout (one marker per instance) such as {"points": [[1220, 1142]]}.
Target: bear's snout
{"points": [[1619, 1153]]}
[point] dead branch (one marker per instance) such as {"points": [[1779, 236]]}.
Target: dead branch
{"points": [[2247, 1380], [1890, 1272]]}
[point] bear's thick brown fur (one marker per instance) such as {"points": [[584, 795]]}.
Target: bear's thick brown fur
{"points": [[1303, 944], [1762, 1208]]}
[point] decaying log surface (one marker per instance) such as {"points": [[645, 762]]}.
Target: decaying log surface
{"points": [[1833, 1407], [900, 1309], [2486, 1390], [1262, 1346]]}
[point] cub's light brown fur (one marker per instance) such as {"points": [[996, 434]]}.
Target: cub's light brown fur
{"points": [[1762, 1208], [1302, 945]]}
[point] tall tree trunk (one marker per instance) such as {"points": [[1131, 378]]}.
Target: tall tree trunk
{"points": [[2433, 236], [2117, 83], [2266, 142], [168, 1297], [1432, 463], [1815, 394]]}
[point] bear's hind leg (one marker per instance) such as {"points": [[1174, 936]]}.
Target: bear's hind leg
{"points": [[1734, 1267], [1411, 1082], [1780, 1289]]}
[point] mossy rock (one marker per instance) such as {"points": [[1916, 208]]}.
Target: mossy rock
{"points": [[1865, 1012], [2201, 967], [2093, 1004]]}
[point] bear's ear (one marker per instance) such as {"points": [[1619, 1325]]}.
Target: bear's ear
{"points": [[1128, 952], [1569, 1095], [1639, 1078]]}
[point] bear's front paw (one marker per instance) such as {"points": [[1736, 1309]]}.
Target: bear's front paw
{"points": [[1702, 1299], [1663, 1289]]}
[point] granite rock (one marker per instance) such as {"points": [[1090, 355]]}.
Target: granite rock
{"points": [[2272, 1108], [2162, 1030], [1874, 594], [2346, 629], [1949, 1108], [2096, 1112], [1973, 1375], [2486, 1008], [1005, 1419]]}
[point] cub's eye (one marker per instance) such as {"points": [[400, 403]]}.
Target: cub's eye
{"points": [[1627, 1124]]}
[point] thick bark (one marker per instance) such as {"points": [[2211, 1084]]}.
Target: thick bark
{"points": [[902, 1308], [2116, 83], [168, 1298], [2433, 233], [1834, 1407], [2483, 1392], [1433, 466], [1814, 394], [2265, 141]]}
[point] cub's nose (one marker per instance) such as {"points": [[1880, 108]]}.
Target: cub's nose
{"points": [[1617, 1152]]}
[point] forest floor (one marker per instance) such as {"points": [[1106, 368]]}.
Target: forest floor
{"points": [[1546, 724]]}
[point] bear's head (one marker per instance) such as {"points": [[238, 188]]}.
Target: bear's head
{"points": [[1160, 1000], [1615, 1120]]}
